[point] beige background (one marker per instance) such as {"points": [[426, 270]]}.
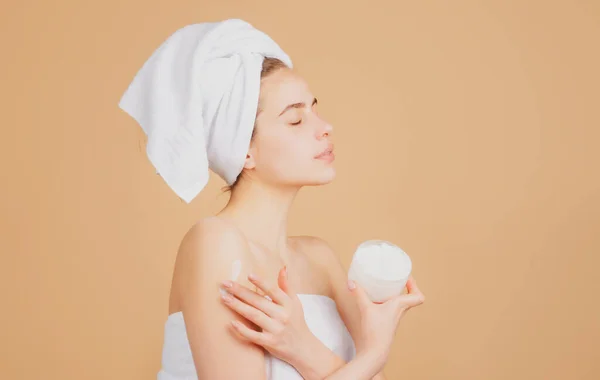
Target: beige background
{"points": [[466, 131]]}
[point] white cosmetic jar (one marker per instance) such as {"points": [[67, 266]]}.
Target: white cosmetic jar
{"points": [[380, 268]]}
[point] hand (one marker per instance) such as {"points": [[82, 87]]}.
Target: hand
{"points": [[281, 319], [379, 321]]}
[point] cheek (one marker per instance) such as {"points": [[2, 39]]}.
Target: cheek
{"points": [[283, 156]]}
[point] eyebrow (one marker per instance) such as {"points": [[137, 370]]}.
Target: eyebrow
{"points": [[297, 105]]}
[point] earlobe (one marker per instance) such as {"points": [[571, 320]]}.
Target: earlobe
{"points": [[249, 163]]}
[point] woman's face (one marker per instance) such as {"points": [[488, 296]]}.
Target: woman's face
{"points": [[291, 138]]}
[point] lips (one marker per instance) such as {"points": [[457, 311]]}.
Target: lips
{"points": [[326, 152]]}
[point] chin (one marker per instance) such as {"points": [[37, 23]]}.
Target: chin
{"points": [[325, 177], [319, 177]]}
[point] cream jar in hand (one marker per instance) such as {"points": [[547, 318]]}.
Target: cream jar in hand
{"points": [[380, 268]]}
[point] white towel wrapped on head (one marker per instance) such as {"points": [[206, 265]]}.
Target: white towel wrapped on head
{"points": [[196, 98]]}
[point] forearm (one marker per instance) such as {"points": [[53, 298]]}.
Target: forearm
{"points": [[318, 362], [365, 366]]}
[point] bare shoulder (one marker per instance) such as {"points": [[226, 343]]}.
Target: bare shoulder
{"points": [[207, 253], [318, 250], [312, 241], [210, 234]]}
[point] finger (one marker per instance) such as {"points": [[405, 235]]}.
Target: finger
{"points": [[252, 298], [361, 297], [411, 285], [249, 334], [407, 301], [250, 313], [414, 297], [413, 290], [282, 281], [274, 292]]}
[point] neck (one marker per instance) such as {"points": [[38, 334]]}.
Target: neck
{"points": [[261, 212]]}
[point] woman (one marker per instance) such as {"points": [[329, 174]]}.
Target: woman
{"points": [[248, 301]]}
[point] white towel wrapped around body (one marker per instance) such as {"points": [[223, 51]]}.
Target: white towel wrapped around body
{"points": [[196, 98]]}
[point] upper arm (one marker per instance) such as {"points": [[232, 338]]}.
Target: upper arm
{"points": [[346, 304], [210, 249]]}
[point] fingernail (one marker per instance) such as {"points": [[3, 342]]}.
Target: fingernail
{"points": [[236, 324], [252, 277], [227, 284], [351, 285], [226, 297]]}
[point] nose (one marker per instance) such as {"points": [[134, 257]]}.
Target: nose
{"points": [[325, 130]]}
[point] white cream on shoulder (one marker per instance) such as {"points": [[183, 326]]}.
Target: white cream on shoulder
{"points": [[236, 269]]}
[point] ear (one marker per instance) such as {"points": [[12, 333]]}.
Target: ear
{"points": [[249, 163]]}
